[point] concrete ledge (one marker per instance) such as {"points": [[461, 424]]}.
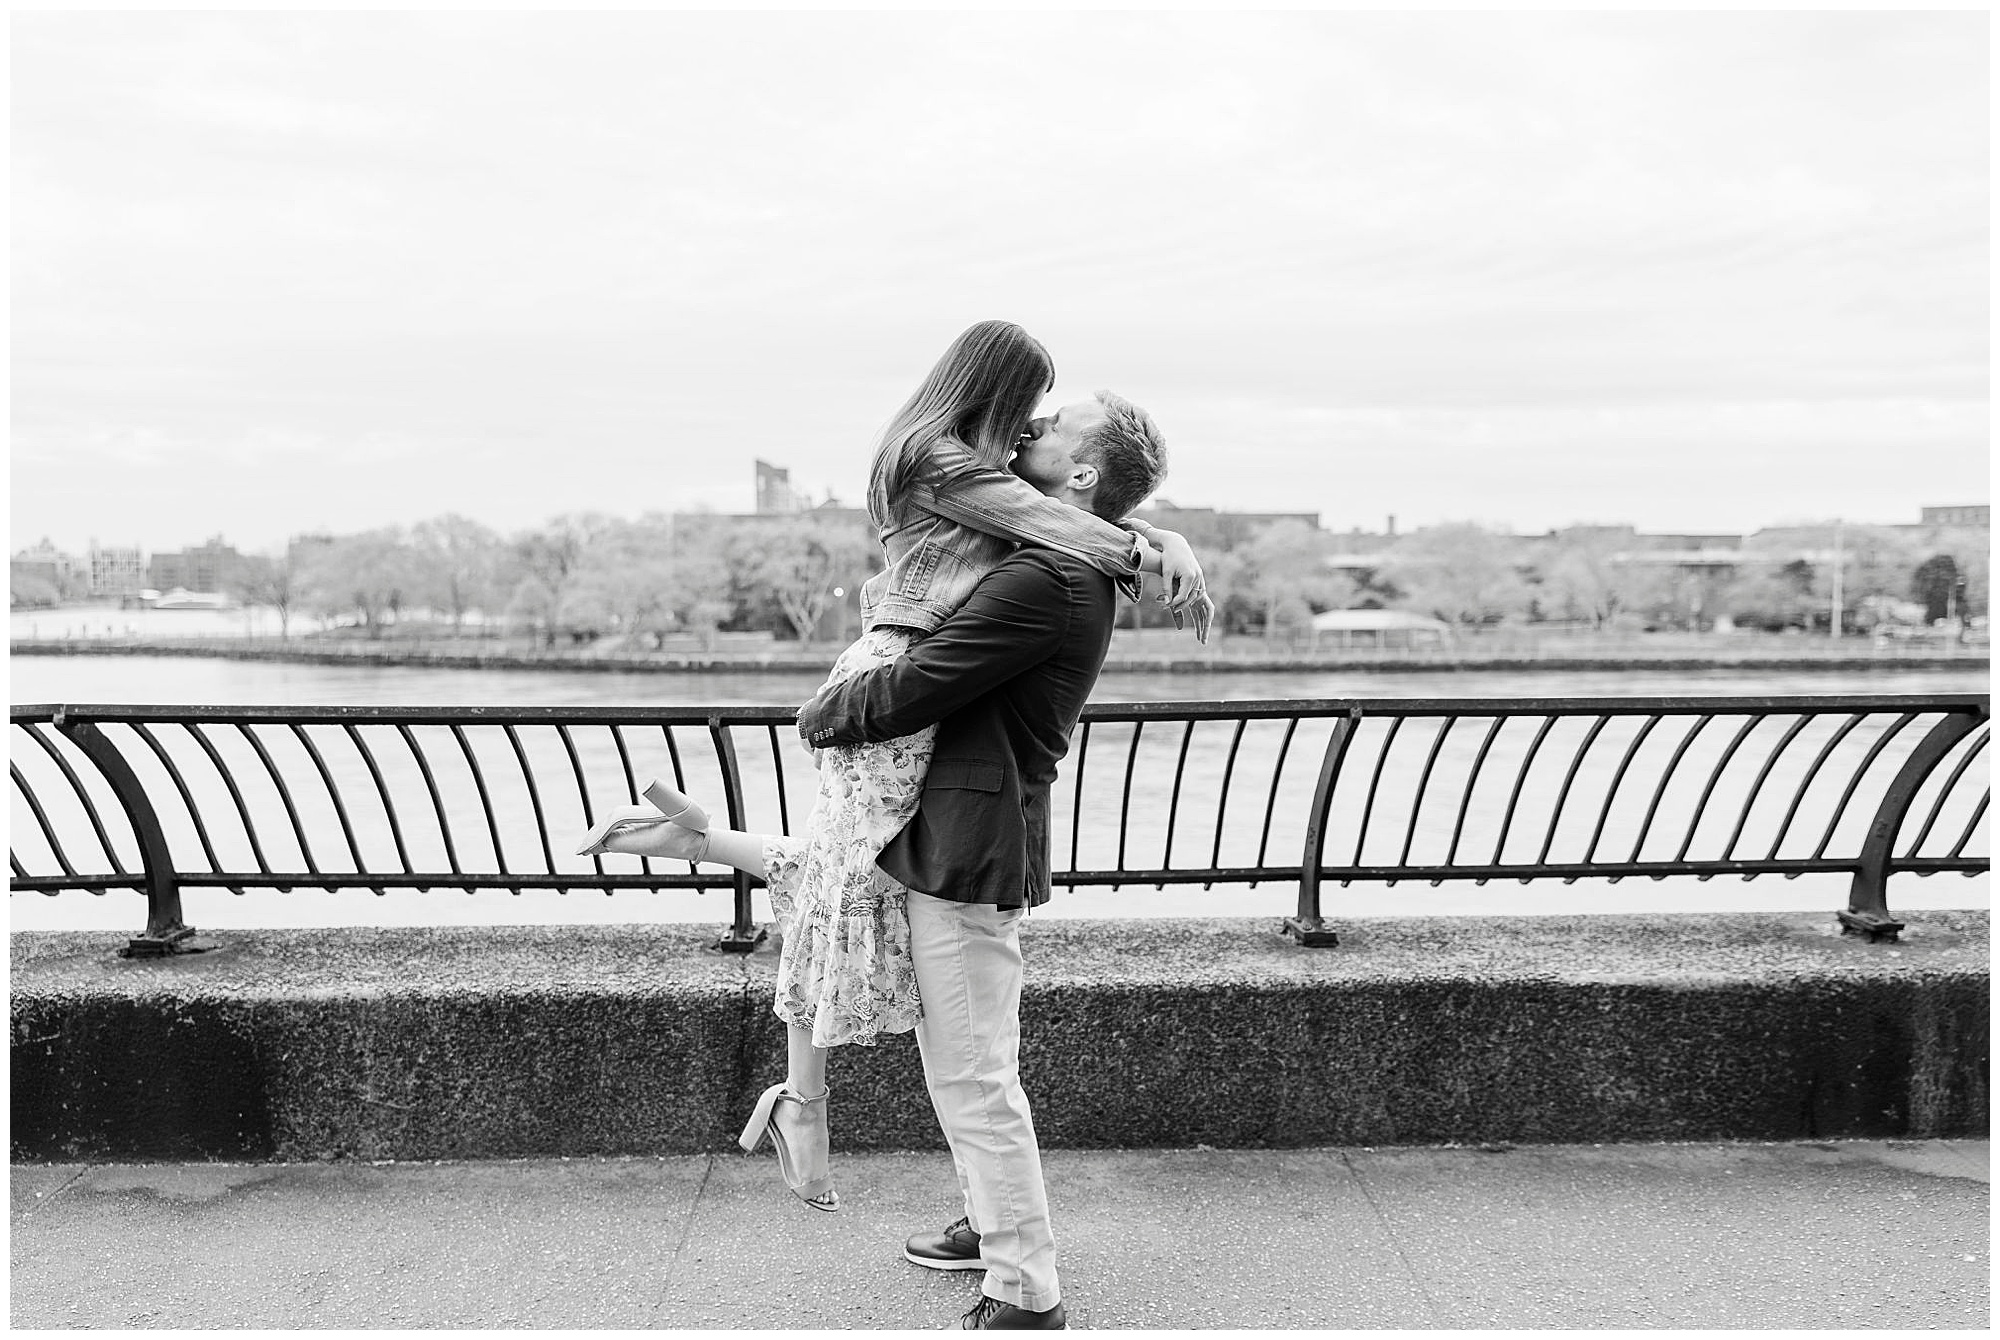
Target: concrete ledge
{"points": [[550, 1041]]}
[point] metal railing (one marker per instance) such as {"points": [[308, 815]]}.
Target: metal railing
{"points": [[1303, 791]]}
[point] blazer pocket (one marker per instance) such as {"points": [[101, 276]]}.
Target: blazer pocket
{"points": [[963, 774]]}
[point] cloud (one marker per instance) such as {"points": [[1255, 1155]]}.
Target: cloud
{"points": [[578, 246]]}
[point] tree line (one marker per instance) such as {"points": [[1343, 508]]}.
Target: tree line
{"points": [[583, 576]]}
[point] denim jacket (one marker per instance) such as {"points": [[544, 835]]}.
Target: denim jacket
{"points": [[946, 520]]}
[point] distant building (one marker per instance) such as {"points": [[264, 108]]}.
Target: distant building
{"points": [[116, 571], [774, 490], [1979, 515], [1379, 628], [1215, 527], [209, 567], [43, 565]]}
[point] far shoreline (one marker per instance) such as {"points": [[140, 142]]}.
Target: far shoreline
{"points": [[1128, 660]]}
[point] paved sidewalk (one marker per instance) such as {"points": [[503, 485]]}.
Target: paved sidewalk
{"points": [[1861, 1234]]}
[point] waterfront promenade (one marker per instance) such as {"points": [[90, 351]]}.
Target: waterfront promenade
{"points": [[1862, 1234]]}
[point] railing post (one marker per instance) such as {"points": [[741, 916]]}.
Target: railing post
{"points": [[1868, 897], [743, 934], [1308, 927], [165, 933]]}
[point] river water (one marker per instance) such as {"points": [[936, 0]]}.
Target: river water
{"points": [[119, 679]]}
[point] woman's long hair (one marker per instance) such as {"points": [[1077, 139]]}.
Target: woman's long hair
{"points": [[981, 393]]}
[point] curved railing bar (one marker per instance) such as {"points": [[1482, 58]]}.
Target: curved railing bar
{"points": [[1971, 826], [778, 771], [76, 785], [35, 807], [1868, 761], [1423, 786], [1076, 806], [1805, 784], [21, 872], [437, 801], [534, 796], [1757, 787], [1277, 776], [1701, 805], [285, 795], [485, 801], [229, 780], [1520, 780], [1374, 779], [1617, 780], [1944, 792], [333, 794], [631, 781], [680, 777], [1222, 801], [139, 728], [1125, 803], [1562, 796], [583, 787], [382, 789], [1174, 803], [1666, 777], [1471, 782]]}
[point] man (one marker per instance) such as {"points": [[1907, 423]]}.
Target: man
{"points": [[1004, 679]]}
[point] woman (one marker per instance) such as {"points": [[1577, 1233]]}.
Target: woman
{"points": [[947, 511]]}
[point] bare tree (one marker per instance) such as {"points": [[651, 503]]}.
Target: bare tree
{"points": [[455, 562], [266, 579]]}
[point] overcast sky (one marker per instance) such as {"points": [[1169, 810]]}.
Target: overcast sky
{"points": [[286, 272]]}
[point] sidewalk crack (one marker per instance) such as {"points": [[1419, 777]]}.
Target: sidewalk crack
{"points": [[1389, 1231], [36, 1207], [672, 1273]]}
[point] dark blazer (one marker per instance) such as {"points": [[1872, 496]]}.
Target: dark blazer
{"points": [[1004, 678]]}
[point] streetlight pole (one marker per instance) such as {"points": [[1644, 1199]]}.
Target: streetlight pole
{"points": [[1834, 630]]}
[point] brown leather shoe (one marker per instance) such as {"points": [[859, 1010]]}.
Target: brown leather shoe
{"points": [[993, 1315]]}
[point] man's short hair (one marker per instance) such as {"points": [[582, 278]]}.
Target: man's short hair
{"points": [[1129, 453]]}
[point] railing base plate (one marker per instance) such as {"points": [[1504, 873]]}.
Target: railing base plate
{"points": [[741, 944], [1871, 924], [1311, 932], [160, 946]]}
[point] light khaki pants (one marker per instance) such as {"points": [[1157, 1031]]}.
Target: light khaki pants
{"points": [[968, 962]]}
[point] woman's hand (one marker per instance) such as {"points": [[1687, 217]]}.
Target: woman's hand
{"points": [[1186, 594]]}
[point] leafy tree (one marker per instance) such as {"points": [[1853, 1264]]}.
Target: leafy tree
{"points": [[1459, 572], [800, 560], [32, 591], [1589, 574], [1931, 585], [367, 574], [545, 567], [1282, 571], [644, 578]]}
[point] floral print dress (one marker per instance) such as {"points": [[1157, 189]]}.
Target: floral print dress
{"points": [[845, 971]]}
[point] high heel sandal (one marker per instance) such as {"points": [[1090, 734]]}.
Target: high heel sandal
{"points": [[817, 1193], [676, 806], [618, 821]]}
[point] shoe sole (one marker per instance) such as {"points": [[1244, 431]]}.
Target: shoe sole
{"points": [[945, 1263]]}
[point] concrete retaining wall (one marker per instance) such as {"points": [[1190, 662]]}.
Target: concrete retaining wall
{"points": [[537, 1041]]}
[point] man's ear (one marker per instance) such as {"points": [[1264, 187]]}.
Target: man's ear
{"points": [[1082, 477]]}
